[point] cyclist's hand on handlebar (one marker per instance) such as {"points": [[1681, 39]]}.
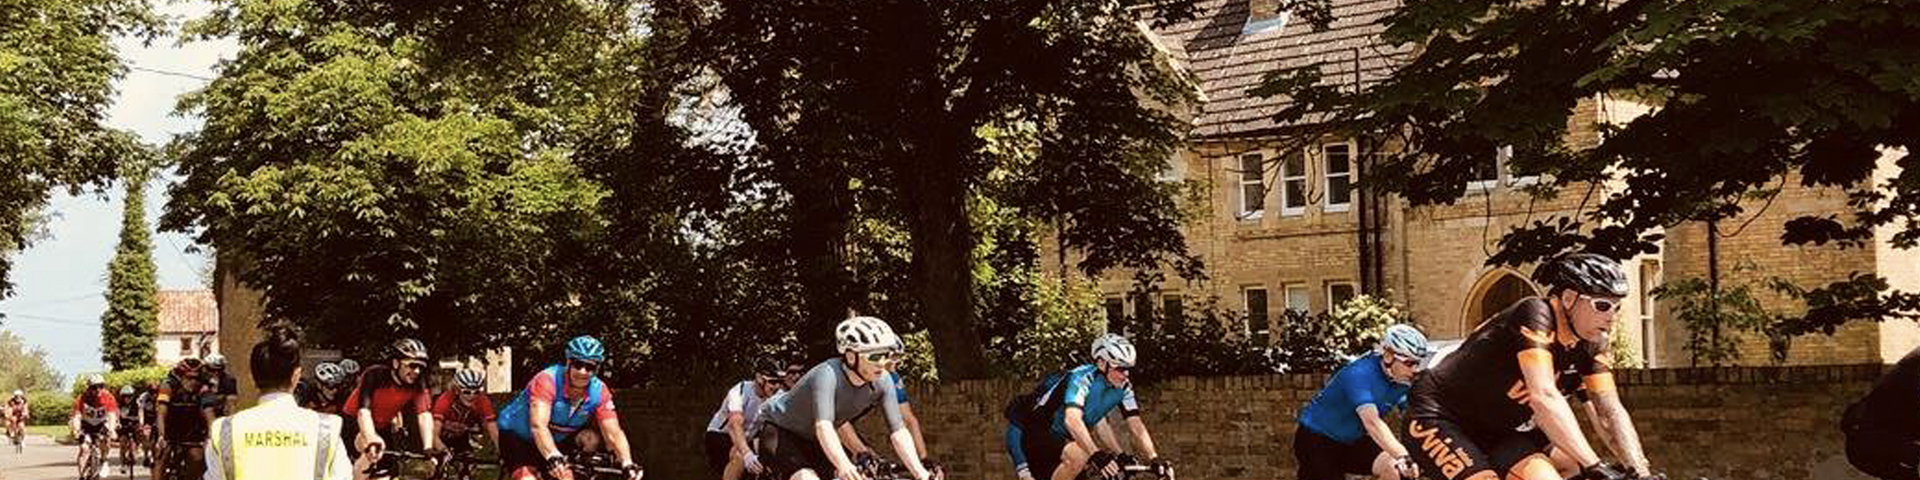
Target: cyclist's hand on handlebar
{"points": [[849, 474], [752, 462], [557, 468], [634, 472], [1164, 468], [1603, 471], [1104, 463], [1407, 468]]}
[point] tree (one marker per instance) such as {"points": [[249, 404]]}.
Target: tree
{"points": [[24, 368], [879, 108], [1841, 89], [57, 65], [128, 327]]}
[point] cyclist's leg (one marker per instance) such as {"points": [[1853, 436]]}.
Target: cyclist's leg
{"points": [[1042, 450], [518, 460], [1445, 451], [1322, 458], [1524, 456]]}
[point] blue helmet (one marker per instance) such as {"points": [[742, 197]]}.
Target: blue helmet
{"points": [[585, 347]]}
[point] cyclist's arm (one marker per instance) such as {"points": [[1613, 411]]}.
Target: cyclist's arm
{"points": [[902, 439], [538, 412], [1015, 450], [1613, 418], [610, 429], [1378, 430], [830, 444], [1077, 428], [913, 426], [1103, 432], [493, 433], [850, 439], [737, 431], [429, 436], [1550, 409], [1141, 438]]}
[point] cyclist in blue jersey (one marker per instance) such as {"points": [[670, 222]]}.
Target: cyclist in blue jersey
{"points": [[1342, 431], [565, 408], [1052, 434]]}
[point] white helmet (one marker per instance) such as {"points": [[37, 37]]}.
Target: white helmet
{"points": [[96, 380], [1405, 340], [349, 366], [864, 334], [216, 360], [1115, 349], [19, 393], [329, 373], [468, 379]]}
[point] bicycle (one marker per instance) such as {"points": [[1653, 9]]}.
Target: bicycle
{"points": [[876, 468], [389, 465], [17, 431], [129, 440], [1130, 468], [460, 466], [93, 455], [595, 466], [181, 464]]}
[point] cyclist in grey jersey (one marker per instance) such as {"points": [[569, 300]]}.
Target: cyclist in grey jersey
{"points": [[799, 431]]}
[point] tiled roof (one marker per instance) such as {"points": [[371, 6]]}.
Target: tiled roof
{"points": [[188, 311], [1227, 58]]}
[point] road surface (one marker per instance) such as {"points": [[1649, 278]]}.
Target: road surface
{"points": [[44, 460]]}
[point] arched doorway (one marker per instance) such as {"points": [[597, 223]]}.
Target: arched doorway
{"points": [[1495, 291]]}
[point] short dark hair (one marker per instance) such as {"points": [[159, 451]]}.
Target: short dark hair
{"points": [[274, 360]]}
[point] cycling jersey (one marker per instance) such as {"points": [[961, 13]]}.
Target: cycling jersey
{"points": [[93, 407], [569, 414], [826, 393], [455, 419], [900, 388], [381, 393], [743, 399], [17, 407], [180, 398], [1479, 386], [1087, 388], [1332, 412], [1893, 406]]}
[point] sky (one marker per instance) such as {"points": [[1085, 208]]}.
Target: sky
{"points": [[60, 280]]}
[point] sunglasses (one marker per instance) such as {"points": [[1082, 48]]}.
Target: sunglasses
{"points": [[883, 356], [469, 391], [1601, 305], [414, 366], [1408, 362], [584, 365], [1124, 370]]}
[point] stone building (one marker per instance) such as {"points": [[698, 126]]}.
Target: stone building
{"points": [[1286, 230]]}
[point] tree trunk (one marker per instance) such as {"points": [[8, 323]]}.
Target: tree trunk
{"points": [[822, 206], [943, 262]]}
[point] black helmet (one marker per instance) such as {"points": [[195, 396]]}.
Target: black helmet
{"points": [[769, 365], [408, 349], [1585, 273]]}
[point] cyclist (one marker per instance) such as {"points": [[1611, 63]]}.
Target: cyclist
{"points": [[1883, 428], [322, 393], [462, 410], [130, 426], [1328, 444], [728, 452], [1496, 407], [16, 413], [351, 368], [799, 431], [96, 418], [223, 388], [565, 408], [149, 417], [1051, 433], [385, 392], [181, 420]]}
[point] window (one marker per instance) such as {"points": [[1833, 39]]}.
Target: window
{"points": [[1142, 307], [1496, 170], [1253, 188], [1339, 176], [1264, 16], [1175, 170], [186, 347], [1297, 298], [1649, 279], [1338, 293], [1484, 174], [1116, 311], [1173, 307], [1293, 184], [1255, 301]]}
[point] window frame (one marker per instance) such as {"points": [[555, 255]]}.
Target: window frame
{"points": [[1263, 335], [1305, 292], [1327, 175], [1259, 179], [1306, 195], [1353, 291]]}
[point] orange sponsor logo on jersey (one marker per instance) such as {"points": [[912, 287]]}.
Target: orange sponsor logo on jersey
{"points": [[1451, 460]]}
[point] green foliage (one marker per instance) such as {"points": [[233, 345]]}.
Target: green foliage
{"points": [[1323, 342], [1481, 74], [57, 65], [130, 323], [48, 407], [1623, 354], [24, 368], [1716, 319], [121, 378]]}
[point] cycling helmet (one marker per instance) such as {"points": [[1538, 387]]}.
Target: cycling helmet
{"points": [[96, 380], [1115, 349], [1406, 340], [329, 373], [217, 361], [126, 391], [1585, 273], [770, 366], [189, 366], [407, 349], [585, 347], [19, 393], [468, 379], [865, 334], [349, 367]]}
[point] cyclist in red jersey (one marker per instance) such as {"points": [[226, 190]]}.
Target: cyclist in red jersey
{"points": [[1498, 407], [96, 417], [462, 410], [384, 392]]}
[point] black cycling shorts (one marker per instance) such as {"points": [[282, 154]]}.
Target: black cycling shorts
{"points": [[719, 448], [1882, 454], [1042, 448], [785, 452], [1445, 450], [1323, 458]]}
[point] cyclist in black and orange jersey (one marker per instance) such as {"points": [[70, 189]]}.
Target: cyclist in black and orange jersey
{"points": [[1495, 408], [181, 418]]}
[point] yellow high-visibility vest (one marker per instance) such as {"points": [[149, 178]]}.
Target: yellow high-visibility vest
{"points": [[277, 440]]}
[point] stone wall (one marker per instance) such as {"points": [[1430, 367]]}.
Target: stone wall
{"points": [[1726, 423]]}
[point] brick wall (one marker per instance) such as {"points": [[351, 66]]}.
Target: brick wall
{"points": [[1728, 423]]}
